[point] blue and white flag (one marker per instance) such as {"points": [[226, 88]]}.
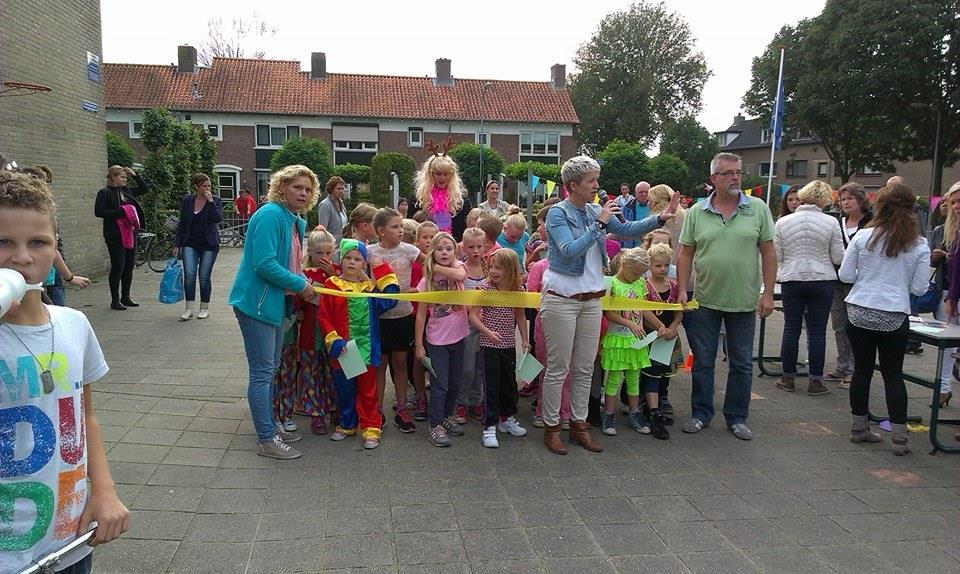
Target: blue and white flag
{"points": [[776, 120]]}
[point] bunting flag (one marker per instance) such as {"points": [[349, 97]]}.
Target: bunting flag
{"points": [[783, 189], [534, 182], [758, 191], [872, 196], [748, 191], [934, 202], [550, 187]]}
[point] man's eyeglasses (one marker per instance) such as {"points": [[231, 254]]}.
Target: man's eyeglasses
{"points": [[730, 173]]}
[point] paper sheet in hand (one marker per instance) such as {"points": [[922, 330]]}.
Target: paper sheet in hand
{"points": [[428, 365], [641, 343], [528, 367], [351, 361], [661, 351]]}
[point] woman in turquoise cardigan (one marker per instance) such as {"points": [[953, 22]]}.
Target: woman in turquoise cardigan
{"points": [[268, 274]]}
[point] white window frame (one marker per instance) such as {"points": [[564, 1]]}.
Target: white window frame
{"points": [[410, 139], [227, 169], [485, 136], [258, 173], [826, 166], [219, 136], [547, 136], [134, 133], [765, 135], [284, 127], [344, 145], [867, 170], [762, 173]]}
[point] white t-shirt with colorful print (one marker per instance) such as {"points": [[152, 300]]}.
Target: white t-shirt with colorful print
{"points": [[43, 447]]}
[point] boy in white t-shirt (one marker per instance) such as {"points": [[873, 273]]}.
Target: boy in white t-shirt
{"points": [[50, 440]]}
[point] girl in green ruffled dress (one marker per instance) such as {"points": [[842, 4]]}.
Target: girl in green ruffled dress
{"points": [[619, 359]]}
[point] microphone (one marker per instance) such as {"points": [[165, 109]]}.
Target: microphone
{"points": [[602, 195]]}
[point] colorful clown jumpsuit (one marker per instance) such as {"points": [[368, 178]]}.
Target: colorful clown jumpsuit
{"points": [[315, 393], [357, 318]]}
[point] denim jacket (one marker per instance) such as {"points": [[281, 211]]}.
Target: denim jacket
{"points": [[573, 231]]}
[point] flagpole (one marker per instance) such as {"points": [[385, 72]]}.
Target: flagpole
{"points": [[773, 136]]}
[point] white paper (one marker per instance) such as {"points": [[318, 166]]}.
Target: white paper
{"points": [[351, 361], [641, 343], [661, 351]]}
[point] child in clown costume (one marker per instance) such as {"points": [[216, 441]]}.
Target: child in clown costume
{"points": [[357, 318]]}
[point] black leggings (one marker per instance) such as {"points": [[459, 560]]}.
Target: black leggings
{"points": [[890, 346], [121, 268]]}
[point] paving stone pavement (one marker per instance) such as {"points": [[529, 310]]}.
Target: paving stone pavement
{"points": [[798, 498]]}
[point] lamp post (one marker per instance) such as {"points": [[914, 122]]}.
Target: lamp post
{"points": [[483, 92]]}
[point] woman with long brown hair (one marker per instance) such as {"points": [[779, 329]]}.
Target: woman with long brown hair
{"points": [[885, 263], [116, 202]]}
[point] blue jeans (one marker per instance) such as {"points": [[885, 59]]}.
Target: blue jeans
{"points": [[813, 298], [703, 337], [262, 343], [84, 566], [195, 260], [57, 294]]}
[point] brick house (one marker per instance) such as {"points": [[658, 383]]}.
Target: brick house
{"points": [[252, 106], [803, 158], [64, 127]]}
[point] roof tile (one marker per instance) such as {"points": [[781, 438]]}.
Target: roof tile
{"points": [[236, 85]]}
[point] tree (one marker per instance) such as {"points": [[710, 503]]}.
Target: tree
{"points": [[311, 152], [467, 156], [695, 146], [381, 166], [669, 169], [638, 72], [119, 151], [175, 151], [852, 73], [622, 162], [518, 171], [234, 42], [352, 173]]}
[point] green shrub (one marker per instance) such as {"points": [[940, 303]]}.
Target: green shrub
{"points": [[353, 173], [467, 156], [518, 171], [622, 162], [119, 151], [669, 169], [311, 152], [380, 167]]}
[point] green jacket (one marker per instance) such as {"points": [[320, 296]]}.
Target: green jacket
{"points": [[263, 279]]}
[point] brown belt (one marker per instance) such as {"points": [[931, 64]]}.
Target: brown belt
{"points": [[579, 296]]}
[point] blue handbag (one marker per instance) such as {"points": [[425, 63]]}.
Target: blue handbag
{"points": [[171, 284], [928, 302]]}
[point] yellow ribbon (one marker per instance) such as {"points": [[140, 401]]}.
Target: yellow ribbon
{"points": [[514, 299]]}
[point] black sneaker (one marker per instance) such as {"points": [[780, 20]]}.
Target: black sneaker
{"points": [[403, 421], [666, 407], [657, 425]]}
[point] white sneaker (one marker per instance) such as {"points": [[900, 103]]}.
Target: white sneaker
{"points": [[204, 312], [511, 426], [288, 425], [187, 314], [489, 437], [276, 448]]}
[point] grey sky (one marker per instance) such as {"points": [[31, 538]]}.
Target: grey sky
{"points": [[490, 39]]}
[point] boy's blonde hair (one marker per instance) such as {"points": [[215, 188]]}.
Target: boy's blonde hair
{"points": [[287, 174], [491, 226], [660, 250], [475, 213], [508, 261], [26, 191], [409, 230], [362, 213], [317, 238], [426, 225], [424, 183], [516, 221]]}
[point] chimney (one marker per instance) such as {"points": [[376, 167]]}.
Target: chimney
{"points": [[738, 119], [558, 76], [318, 66], [186, 59], [443, 73]]}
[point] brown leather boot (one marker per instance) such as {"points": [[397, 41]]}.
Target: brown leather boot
{"points": [[580, 434], [551, 438]]}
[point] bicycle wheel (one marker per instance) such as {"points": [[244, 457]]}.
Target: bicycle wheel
{"points": [[160, 251]]}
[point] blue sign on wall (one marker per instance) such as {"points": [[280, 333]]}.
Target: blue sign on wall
{"points": [[88, 106], [93, 67]]}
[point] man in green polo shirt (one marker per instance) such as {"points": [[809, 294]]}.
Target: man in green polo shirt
{"points": [[727, 238]]}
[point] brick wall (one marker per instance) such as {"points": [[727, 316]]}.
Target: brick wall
{"points": [[51, 128], [237, 149]]}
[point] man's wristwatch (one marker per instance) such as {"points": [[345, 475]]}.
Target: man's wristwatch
{"points": [[602, 225]]}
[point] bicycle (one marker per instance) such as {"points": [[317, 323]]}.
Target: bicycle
{"points": [[155, 250]]}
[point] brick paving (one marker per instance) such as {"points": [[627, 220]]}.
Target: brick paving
{"points": [[798, 498]]}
